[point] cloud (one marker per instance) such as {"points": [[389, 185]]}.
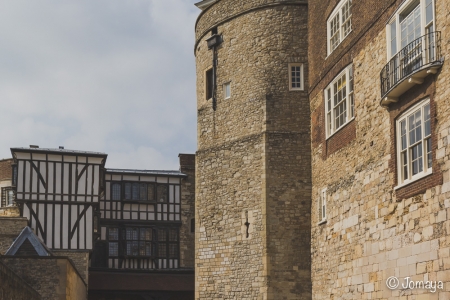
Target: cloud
{"points": [[111, 75]]}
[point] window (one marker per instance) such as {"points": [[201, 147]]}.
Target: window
{"points": [[113, 241], [339, 101], [7, 196], [414, 156], [227, 90], [116, 191], [134, 191], [138, 241], [168, 243], [209, 84], [296, 77], [322, 205], [415, 18], [339, 24]]}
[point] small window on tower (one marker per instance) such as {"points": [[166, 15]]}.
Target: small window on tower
{"points": [[227, 90], [209, 84], [296, 77]]}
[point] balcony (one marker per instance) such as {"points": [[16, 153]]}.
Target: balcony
{"points": [[410, 66]]}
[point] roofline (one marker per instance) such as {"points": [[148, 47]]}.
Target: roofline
{"points": [[59, 151], [153, 172]]}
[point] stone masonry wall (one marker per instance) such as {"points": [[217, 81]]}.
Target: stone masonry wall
{"points": [[80, 260], [14, 287], [10, 228], [48, 276], [252, 164], [373, 230], [187, 237]]}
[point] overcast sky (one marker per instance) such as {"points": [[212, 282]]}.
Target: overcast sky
{"points": [[114, 76]]}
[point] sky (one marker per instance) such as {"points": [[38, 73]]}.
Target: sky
{"points": [[112, 76]]}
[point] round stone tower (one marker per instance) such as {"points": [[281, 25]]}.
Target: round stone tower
{"points": [[253, 164]]}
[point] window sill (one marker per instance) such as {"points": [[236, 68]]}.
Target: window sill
{"points": [[340, 128], [406, 183], [322, 222]]}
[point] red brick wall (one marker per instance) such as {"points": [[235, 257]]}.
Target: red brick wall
{"points": [[413, 96], [6, 169]]}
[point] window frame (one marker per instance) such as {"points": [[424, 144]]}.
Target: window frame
{"points": [[302, 77], [225, 90], [328, 95], [408, 5], [209, 83], [5, 192], [338, 12], [426, 169], [322, 205]]}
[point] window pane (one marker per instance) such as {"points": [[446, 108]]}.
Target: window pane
{"points": [[403, 133], [146, 234], [135, 193], [173, 250], [426, 110], [162, 250], [143, 191], [113, 249], [429, 161], [405, 165], [393, 38], [162, 193], [429, 11], [173, 235], [162, 235], [334, 32], [113, 234], [127, 191], [346, 18], [151, 192], [116, 187]]}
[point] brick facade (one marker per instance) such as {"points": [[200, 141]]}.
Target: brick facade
{"points": [[375, 229]]}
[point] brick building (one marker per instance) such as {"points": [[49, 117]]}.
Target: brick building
{"points": [[355, 182]]}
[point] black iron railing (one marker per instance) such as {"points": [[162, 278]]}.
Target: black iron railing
{"points": [[418, 54]]}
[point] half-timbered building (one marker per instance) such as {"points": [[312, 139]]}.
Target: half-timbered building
{"points": [[58, 191]]}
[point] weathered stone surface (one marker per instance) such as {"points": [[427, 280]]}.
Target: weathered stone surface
{"points": [[253, 161]]}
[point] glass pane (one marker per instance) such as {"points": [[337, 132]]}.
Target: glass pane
{"points": [[113, 249], [403, 133], [151, 192], [116, 191], [393, 38], [143, 192], [113, 234], [127, 191], [405, 165], [162, 237], [426, 110], [173, 250], [429, 161], [162, 192], [135, 193], [162, 250], [429, 11]]}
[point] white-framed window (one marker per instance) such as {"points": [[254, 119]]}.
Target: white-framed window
{"points": [[414, 156], [296, 77], [339, 101], [227, 90], [322, 205], [339, 24], [413, 19], [8, 196]]}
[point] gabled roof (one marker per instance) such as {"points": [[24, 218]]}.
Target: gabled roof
{"points": [[24, 240]]}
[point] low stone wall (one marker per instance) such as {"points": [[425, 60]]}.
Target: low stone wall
{"points": [[14, 287]]}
